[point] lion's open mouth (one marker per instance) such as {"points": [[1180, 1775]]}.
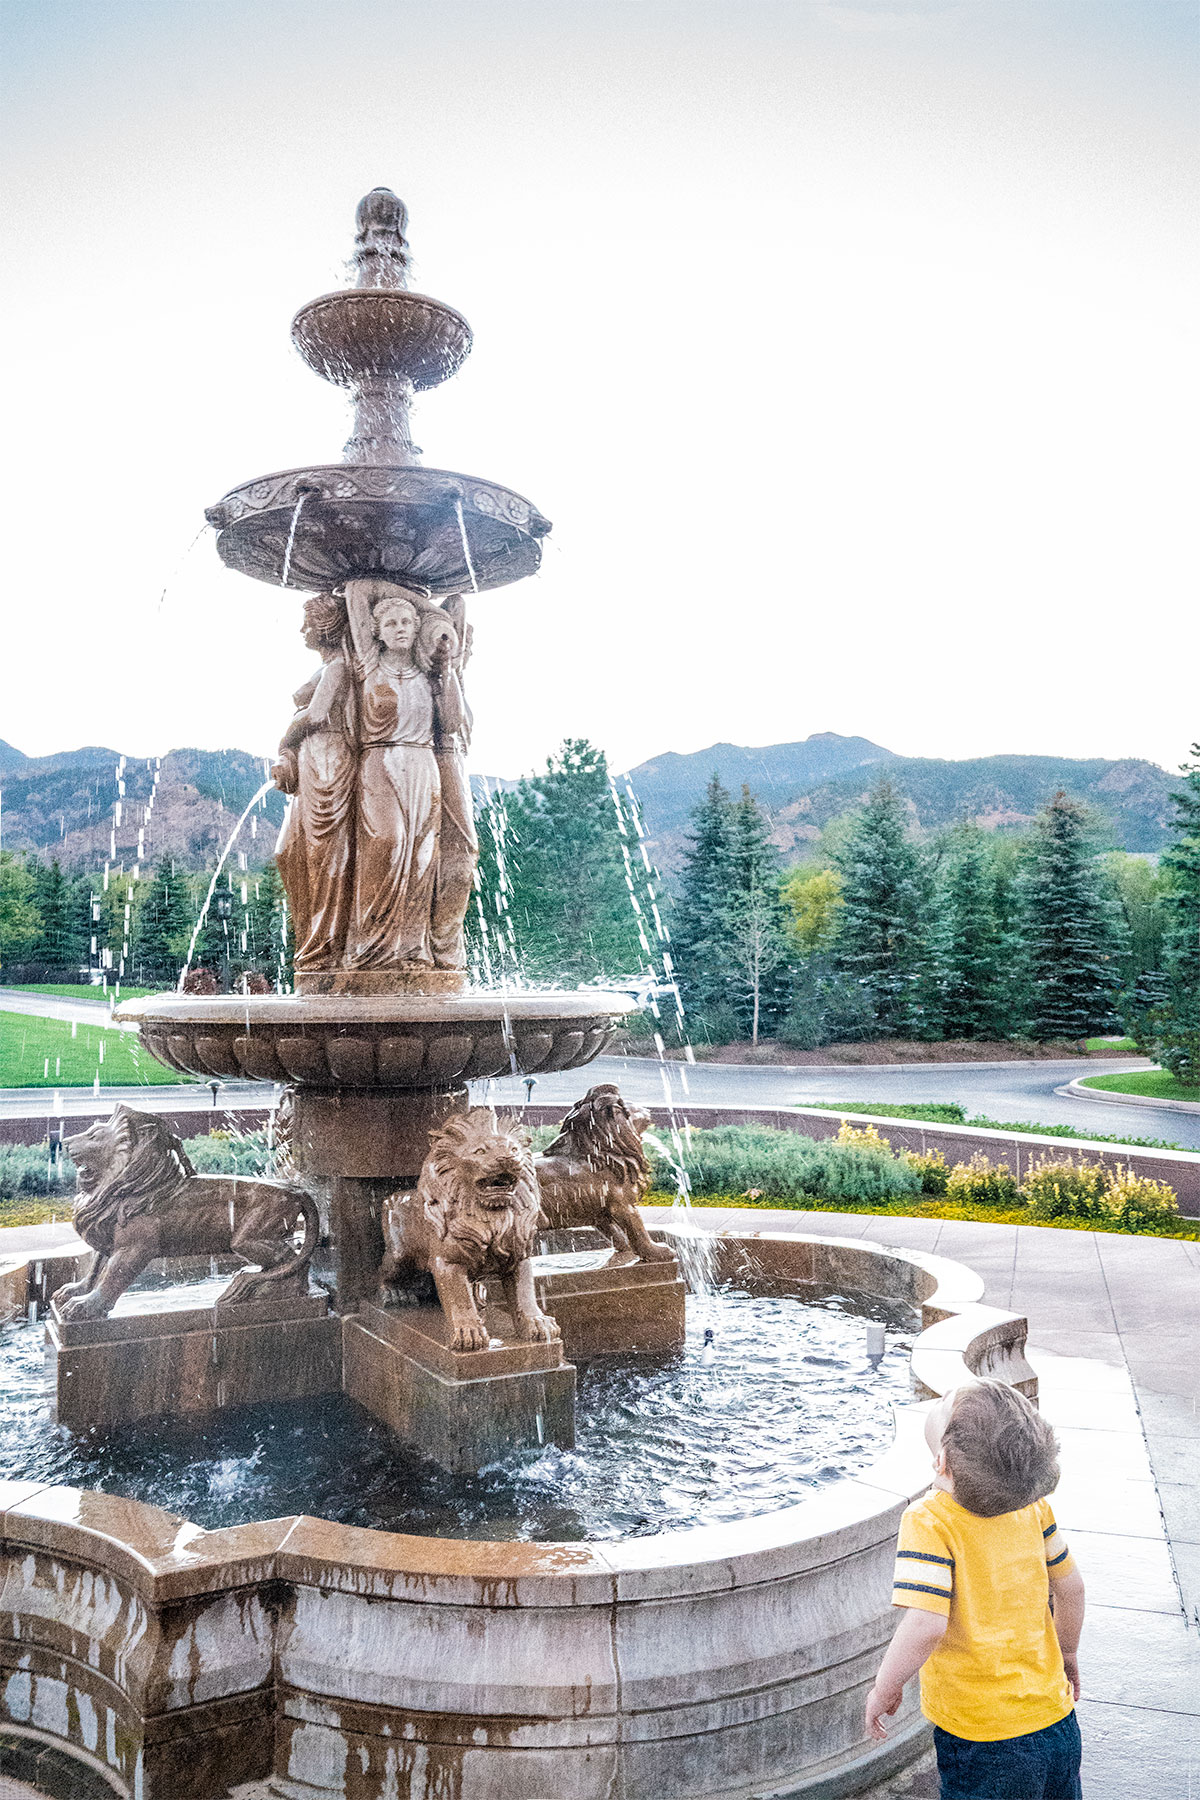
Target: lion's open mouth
{"points": [[496, 1188]]}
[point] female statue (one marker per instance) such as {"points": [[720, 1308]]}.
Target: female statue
{"points": [[458, 846], [318, 763], [409, 697]]}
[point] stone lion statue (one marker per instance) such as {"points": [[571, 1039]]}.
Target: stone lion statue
{"points": [[139, 1198], [596, 1173], [475, 1215]]}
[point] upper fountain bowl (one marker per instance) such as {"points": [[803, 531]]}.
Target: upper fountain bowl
{"points": [[359, 332], [364, 519]]}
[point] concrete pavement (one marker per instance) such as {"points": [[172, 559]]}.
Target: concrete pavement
{"points": [[57, 1006]]}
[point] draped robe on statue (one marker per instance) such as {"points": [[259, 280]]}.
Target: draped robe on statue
{"points": [[315, 853], [399, 809]]}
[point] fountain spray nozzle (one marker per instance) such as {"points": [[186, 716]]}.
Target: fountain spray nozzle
{"points": [[381, 253]]}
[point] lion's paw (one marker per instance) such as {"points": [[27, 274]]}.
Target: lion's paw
{"points": [[541, 1330], [469, 1337], [84, 1306], [659, 1253]]}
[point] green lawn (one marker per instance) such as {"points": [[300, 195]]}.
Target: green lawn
{"points": [[81, 990], [1121, 1046], [947, 1113], [1152, 1084], [50, 1053]]}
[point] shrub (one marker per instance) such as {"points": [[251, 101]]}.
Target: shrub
{"points": [[736, 1159], [27, 1169], [1070, 1190], [865, 1136], [982, 1182], [230, 1153], [930, 1165]]}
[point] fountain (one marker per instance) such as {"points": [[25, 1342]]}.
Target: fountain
{"points": [[680, 1643]]}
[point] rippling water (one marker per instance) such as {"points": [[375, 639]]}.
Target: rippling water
{"points": [[790, 1403]]}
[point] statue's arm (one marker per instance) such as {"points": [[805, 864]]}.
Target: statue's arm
{"points": [[452, 714]]}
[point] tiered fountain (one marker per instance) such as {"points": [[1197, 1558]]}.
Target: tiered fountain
{"points": [[301, 1657]]}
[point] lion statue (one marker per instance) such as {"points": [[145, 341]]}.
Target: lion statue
{"points": [[139, 1198], [475, 1215], [595, 1173]]}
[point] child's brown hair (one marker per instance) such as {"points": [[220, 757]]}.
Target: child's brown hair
{"points": [[1001, 1454]]}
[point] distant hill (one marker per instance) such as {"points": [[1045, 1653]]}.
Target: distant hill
{"points": [[802, 786], [184, 805]]}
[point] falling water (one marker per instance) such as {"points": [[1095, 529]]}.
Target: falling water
{"points": [[287, 555], [212, 886], [182, 560], [466, 545]]}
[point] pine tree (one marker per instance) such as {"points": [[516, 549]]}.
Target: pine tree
{"points": [[20, 920], [752, 921], [266, 924], [164, 925], [965, 948], [61, 944], [553, 878], [698, 932], [1163, 1013], [1072, 928], [879, 944]]}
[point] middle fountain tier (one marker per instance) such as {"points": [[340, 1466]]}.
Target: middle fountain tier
{"points": [[378, 856]]}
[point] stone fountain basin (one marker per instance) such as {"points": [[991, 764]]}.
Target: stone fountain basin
{"points": [[361, 519], [357, 332], [718, 1663], [376, 1040]]}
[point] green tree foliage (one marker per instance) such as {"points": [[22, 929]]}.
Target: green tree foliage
{"points": [[1072, 929], [62, 943], [554, 885], [812, 902], [164, 925], [879, 944], [699, 920], [1163, 1013], [267, 942], [1142, 894], [20, 920], [752, 938], [966, 948]]}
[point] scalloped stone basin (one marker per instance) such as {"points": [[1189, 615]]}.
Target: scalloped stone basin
{"points": [[718, 1663], [397, 522], [375, 1041]]}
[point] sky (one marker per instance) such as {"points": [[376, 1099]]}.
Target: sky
{"points": [[847, 344]]}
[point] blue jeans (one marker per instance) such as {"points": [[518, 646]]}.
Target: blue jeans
{"points": [[1042, 1765]]}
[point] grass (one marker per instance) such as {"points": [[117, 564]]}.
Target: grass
{"points": [[81, 990], [1121, 1046], [934, 1209], [948, 1113], [50, 1053], [1151, 1084]]}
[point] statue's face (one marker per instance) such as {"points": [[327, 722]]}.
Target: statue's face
{"points": [[396, 626]]}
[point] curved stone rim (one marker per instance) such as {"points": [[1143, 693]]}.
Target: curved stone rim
{"points": [[373, 1009]]}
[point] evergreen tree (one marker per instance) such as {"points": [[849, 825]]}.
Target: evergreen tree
{"points": [[1072, 928], [879, 942], [61, 943], [753, 938], [554, 887], [698, 932], [267, 929], [164, 925], [1163, 1012], [965, 948], [20, 920]]}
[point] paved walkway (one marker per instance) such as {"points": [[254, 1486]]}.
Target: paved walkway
{"points": [[61, 1006], [1115, 1339]]}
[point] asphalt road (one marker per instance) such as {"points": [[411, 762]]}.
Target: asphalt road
{"points": [[54, 1006]]}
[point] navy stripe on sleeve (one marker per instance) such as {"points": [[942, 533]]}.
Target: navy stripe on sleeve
{"points": [[1050, 1531], [925, 1556], [1055, 1560], [916, 1587]]}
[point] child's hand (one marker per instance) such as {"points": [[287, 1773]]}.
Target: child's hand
{"points": [[882, 1702], [1071, 1665]]}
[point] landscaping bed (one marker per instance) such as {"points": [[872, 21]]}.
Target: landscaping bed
{"points": [[882, 1050], [948, 1112]]}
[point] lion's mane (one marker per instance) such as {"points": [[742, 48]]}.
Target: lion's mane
{"points": [[447, 1192], [600, 1131], [144, 1170]]}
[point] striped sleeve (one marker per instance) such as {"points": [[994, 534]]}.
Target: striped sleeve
{"points": [[924, 1574], [1059, 1561]]}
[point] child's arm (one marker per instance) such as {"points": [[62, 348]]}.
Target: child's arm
{"points": [[1068, 1623], [917, 1634]]}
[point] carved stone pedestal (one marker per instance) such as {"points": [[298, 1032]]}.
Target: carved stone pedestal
{"points": [[139, 1365], [602, 1308], [462, 1409]]}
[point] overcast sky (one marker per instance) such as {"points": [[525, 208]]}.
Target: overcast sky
{"points": [[844, 341]]}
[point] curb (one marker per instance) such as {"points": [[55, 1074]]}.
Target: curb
{"points": [[1075, 1090]]}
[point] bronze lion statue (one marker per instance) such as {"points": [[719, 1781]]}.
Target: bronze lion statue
{"points": [[475, 1215], [596, 1173], [139, 1198]]}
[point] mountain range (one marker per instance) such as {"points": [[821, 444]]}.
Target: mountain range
{"points": [[86, 806]]}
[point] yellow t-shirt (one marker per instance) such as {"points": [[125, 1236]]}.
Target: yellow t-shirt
{"points": [[998, 1671]]}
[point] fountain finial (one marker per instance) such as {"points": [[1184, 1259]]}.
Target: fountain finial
{"points": [[381, 253]]}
